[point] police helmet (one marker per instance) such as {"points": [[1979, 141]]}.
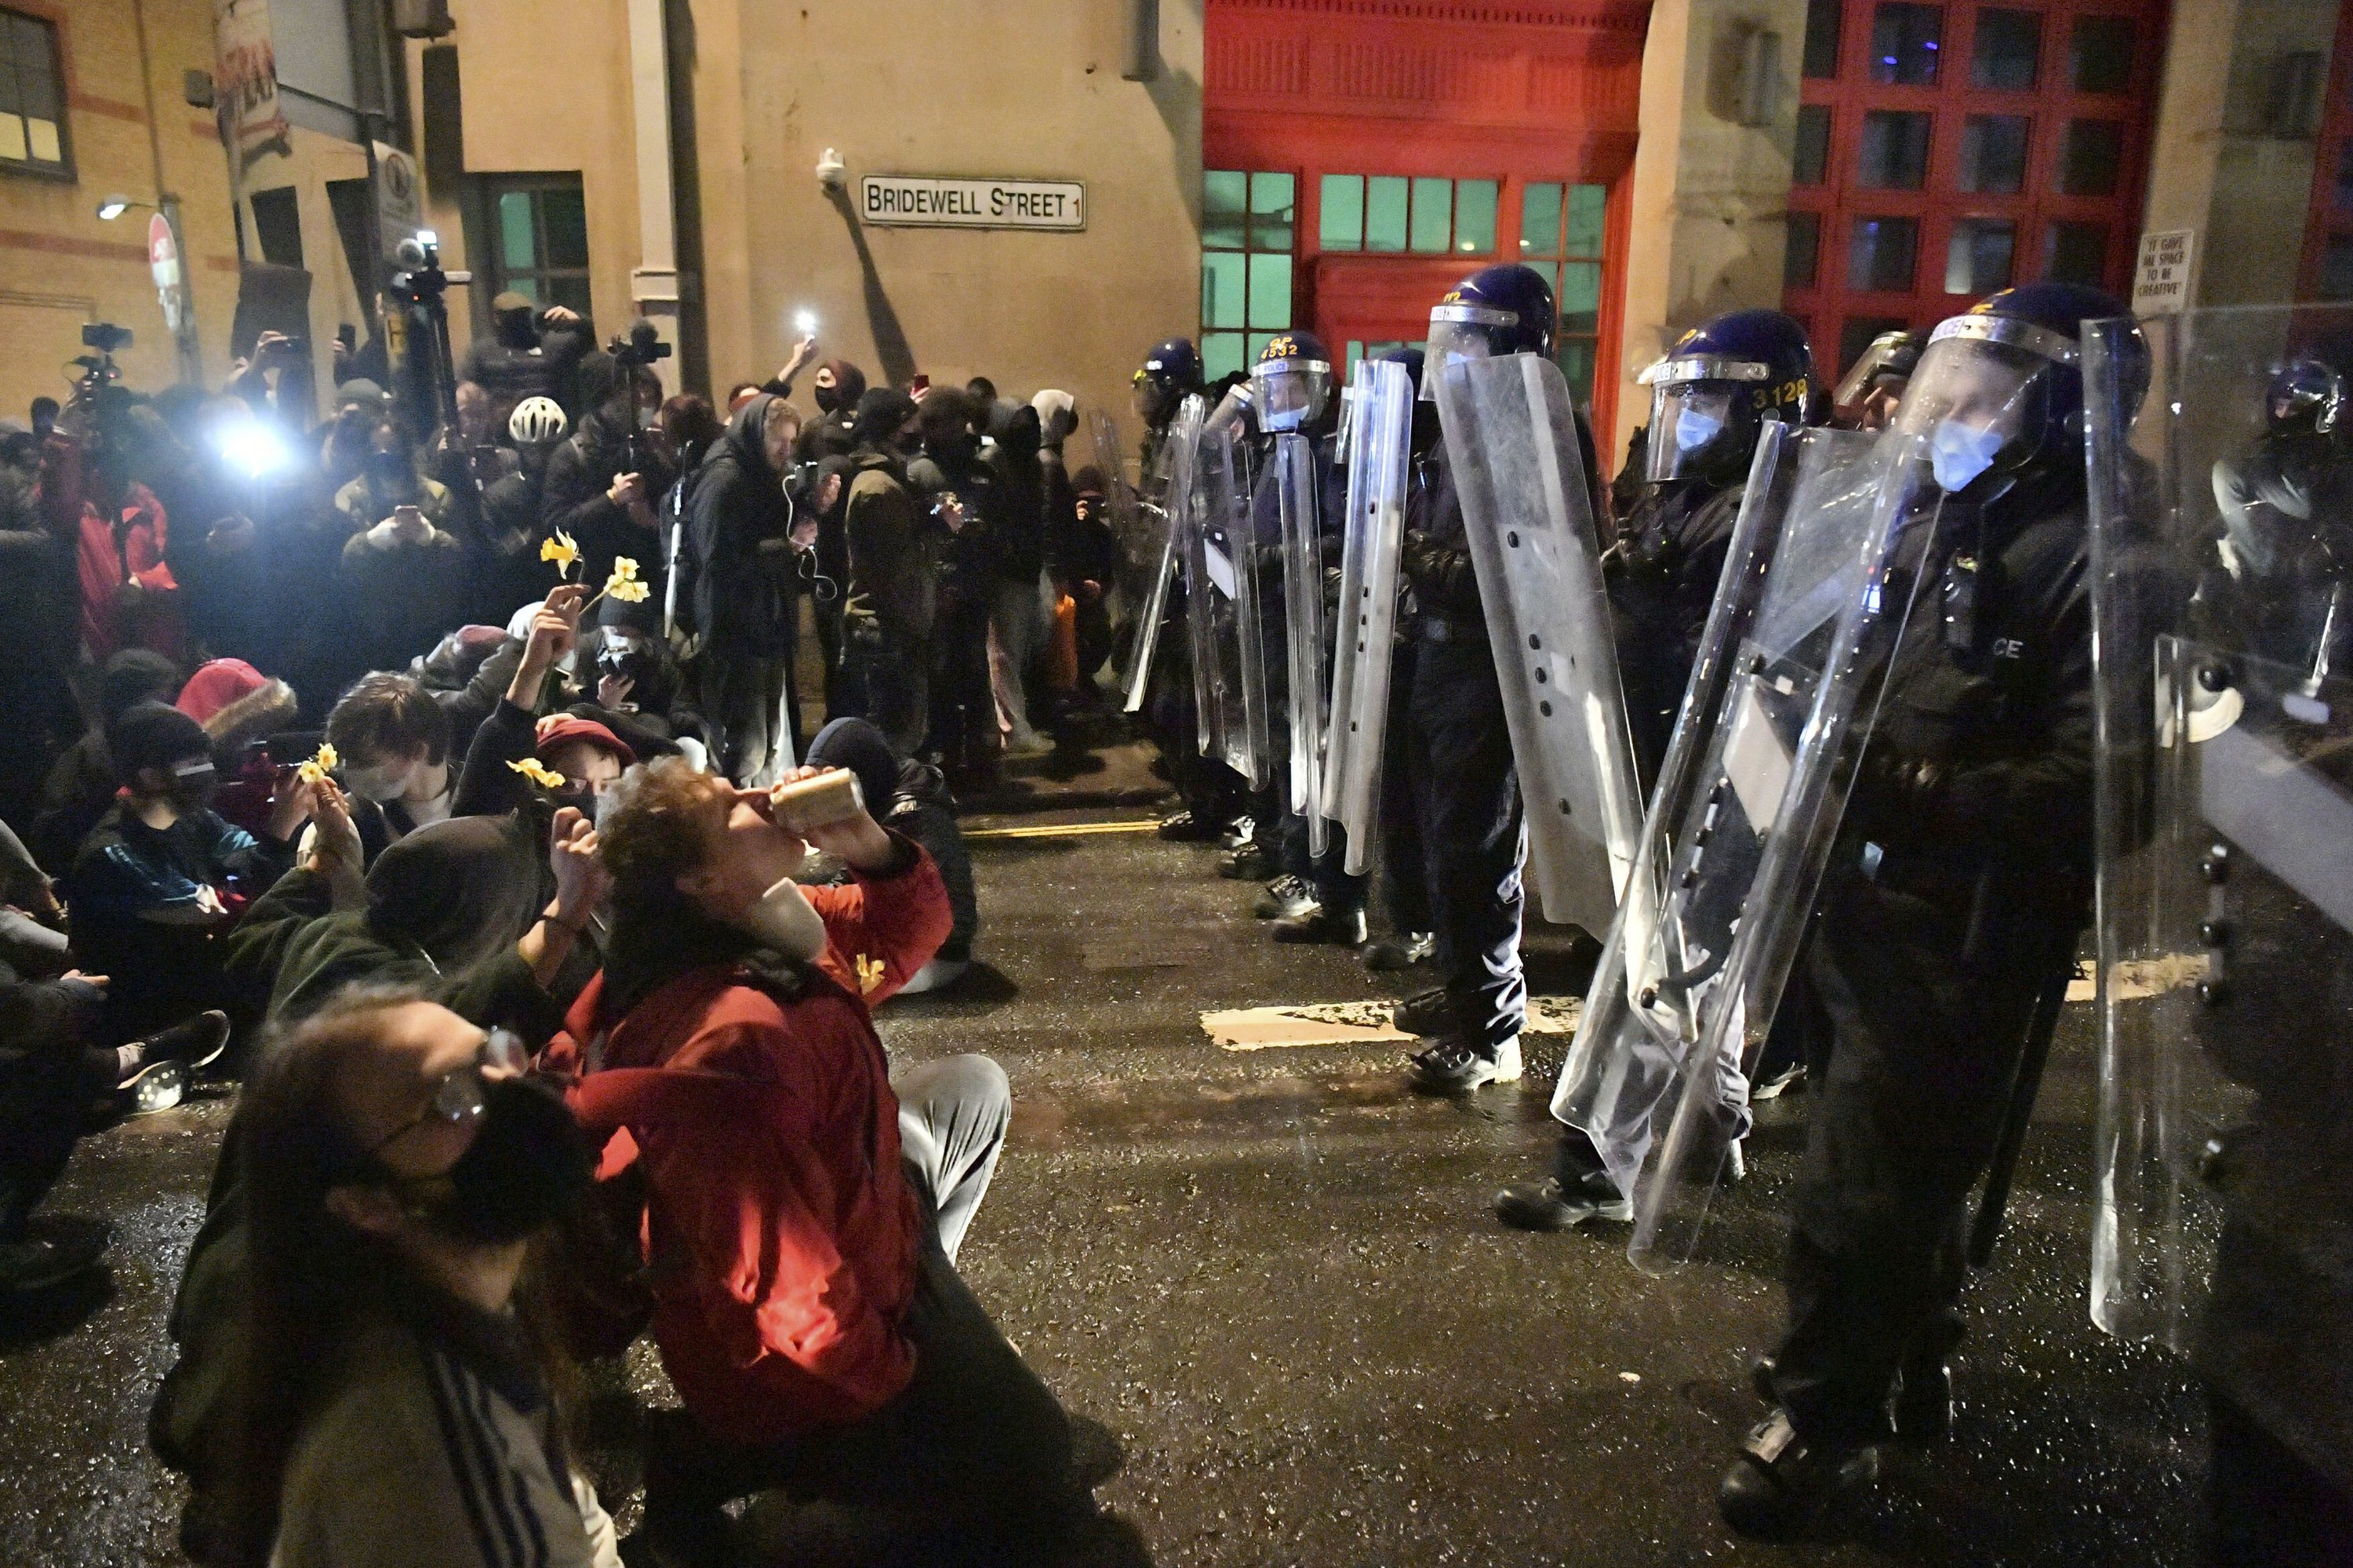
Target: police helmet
{"points": [[1169, 374], [2000, 387], [1494, 312], [1717, 386], [536, 421], [2306, 396], [1291, 386], [1891, 359]]}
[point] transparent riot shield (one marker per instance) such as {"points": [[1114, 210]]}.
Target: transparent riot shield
{"points": [[1304, 638], [1222, 607], [1763, 806], [2222, 551], [1795, 554], [1380, 425], [1511, 436], [1145, 520]]}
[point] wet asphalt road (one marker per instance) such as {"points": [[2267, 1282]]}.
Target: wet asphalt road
{"points": [[1274, 1276]]}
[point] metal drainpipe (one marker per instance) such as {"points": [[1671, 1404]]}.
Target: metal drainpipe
{"points": [[1142, 62]]}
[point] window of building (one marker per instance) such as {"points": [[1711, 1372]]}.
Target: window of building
{"points": [[1249, 231], [1561, 232], [1426, 216], [2326, 272], [278, 226], [1954, 149], [32, 97], [541, 249]]}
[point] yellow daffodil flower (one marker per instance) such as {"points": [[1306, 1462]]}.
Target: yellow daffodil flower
{"points": [[869, 975], [538, 772], [625, 584], [316, 769], [561, 550]]}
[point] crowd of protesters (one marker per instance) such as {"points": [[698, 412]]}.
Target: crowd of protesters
{"points": [[444, 777]]}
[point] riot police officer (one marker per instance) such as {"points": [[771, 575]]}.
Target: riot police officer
{"points": [[1710, 397], [1171, 373], [1459, 742], [1955, 893]]}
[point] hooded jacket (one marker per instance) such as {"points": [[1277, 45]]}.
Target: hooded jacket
{"points": [[575, 498], [893, 549], [735, 594]]}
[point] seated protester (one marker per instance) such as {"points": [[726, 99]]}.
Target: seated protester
{"points": [[493, 780], [162, 876], [82, 782], [392, 750], [396, 1412], [56, 1061], [390, 480], [807, 1207], [403, 583], [484, 915], [911, 796], [638, 681], [241, 707], [32, 922]]}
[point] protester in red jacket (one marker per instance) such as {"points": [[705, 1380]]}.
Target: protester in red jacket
{"points": [[803, 1203], [88, 494]]}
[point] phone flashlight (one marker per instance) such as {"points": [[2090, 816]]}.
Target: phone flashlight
{"points": [[805, 323]]}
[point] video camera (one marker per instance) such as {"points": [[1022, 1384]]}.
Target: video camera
{"points": [[642, 346], [98, 369], [420, 280]]}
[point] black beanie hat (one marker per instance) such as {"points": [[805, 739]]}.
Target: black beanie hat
{"points": [[135, 675], [153, 734], [880, 412]]}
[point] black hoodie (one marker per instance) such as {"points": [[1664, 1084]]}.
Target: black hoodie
{"points": [[733, 588]]}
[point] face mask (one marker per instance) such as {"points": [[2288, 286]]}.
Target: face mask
{"points": [[388, 465], [1957, 453], [583, 801], [379, 784], [827, 400], [193, 785], [526, 1168], [514, 330], [1695, 429]]}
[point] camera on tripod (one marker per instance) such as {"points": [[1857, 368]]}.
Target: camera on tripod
{"points": [[643, 346], [98, 369], [420, 280]]}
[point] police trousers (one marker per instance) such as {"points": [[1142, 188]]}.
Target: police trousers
{"points": [[1458, 751]]}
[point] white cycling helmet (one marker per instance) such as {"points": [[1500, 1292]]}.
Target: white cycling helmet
{"points": [[536, 421]]}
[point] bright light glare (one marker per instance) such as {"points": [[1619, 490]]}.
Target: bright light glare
{"points": [[805, 323], [112, 208], [253, 449], [428, 238]]}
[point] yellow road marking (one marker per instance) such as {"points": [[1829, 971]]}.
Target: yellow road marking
{"points": [[1062, 830], [1351, 1023]]}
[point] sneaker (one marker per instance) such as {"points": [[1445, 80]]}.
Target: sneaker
{"points": [[1789, 1077], [1547, 1205], [1286, 898], [37, 1262], [1401, 951], [1251, 863], [935, 976], [1451, 1067], [1337, 928], [1424, 1013], [196, 1042], [154, 1087], [1185, 828], [1238, 832], [1029, 744], [1778, 1483]]}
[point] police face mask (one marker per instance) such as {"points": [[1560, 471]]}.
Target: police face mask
{"points": [[1960, 452], [526, 1168]]}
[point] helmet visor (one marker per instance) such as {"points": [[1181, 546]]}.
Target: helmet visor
{"points": [[1977, 401], [1694, 424], [1458, 332], [1883, 357], [1290, 393]]}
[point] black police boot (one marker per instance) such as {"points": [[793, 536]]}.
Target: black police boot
{"points": [[1923, 1409], [1287, 898], [1332, 927], [1424, 1013], [1251, 863], [1185, 828], [1455, 1068], [1238, 832], [1779, 1484], [1401, 951], [1576, 1190], [49, 1249]]}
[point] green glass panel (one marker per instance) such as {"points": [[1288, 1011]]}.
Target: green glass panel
{"points": [[1574, 357], [564, 227], [1223, 284], [1221, 354], [1580, 296], [1274, 212], [1587, 207], [1539, 219], [1474, 216], [1225, 203], [1433, 214], [1384, 209], [1270, 292], [518, 234], [1341, 223], [1356, 358]]}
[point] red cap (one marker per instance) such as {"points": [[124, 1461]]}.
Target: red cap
{"points": [[216, 685], [557, 728]]}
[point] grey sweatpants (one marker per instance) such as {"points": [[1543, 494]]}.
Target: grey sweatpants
{"points": [[953, 1114]]}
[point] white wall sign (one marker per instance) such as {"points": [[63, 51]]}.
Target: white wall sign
{"points": [[2161, 277], [920, 201], [399, 204]]}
